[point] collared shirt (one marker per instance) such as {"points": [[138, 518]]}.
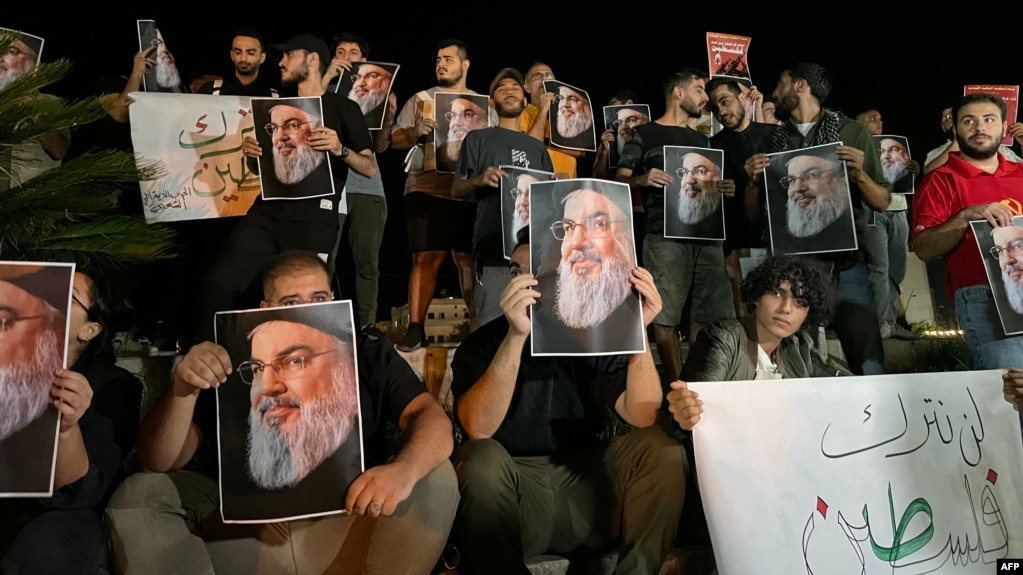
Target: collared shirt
{"points": [[957, 185]]}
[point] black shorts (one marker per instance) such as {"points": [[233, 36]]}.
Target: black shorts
{"points": [[436, 224]]}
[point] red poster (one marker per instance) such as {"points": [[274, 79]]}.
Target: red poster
{"points": [[726, 55], [1008, 93]]}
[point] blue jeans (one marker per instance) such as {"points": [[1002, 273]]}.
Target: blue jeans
{"points": [[982, 330], [885, 245], [855, 321]]}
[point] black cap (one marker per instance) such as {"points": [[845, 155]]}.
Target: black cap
{"points": [[306, 42], [331, 318], [507, 73], [50, 283]]}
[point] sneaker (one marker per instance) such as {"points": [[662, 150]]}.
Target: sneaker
{"points": [[899, 332], [413, 339]]}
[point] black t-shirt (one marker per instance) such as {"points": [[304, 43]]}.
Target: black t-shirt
{"points": [[645, 151], [233, 87], [343, 116], [738, 147], [493, 147], [559, 403], [386, 386]]}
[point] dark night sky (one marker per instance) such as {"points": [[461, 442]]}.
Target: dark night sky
{"points": [[910, 79]]}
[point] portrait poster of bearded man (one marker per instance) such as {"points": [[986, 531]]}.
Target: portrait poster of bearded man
{"points": [[292, 170], [162, 73], [21, 58], [515, 202], [368, 85], [621, 120], [35, 311], [693, 199], [288, 418], [571, 117], [583, 252], [809, 204], [1001, 250], [895, 157], [457, 115]]}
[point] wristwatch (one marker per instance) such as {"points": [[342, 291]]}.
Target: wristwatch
{"points": [[344, 152]]}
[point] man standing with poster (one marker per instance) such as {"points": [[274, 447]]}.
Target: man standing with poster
{"points": [[800, 95], [311, 224], [536, 119], [406, 501], [977, 183], [681, 268], [478, 174]]}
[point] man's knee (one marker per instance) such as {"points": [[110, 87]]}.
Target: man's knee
{"points": [[144, 490], [659, 452], [427, 260], [482, 464]]}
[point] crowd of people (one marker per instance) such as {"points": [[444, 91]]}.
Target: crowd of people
{"points": [[535, 473]]}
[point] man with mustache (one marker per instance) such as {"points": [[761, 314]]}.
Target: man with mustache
{"points": [[370, 91], [290, 128], [975, 183], [1009, 247], [699, 196], [938, 156], [575, 120], [521, 192], [464, 116], [247, 55], [816, 199], [405, 501]]}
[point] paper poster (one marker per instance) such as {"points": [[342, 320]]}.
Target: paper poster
{"points": [[881, 474], [895, 158], [1001, 250], [693, 207], [22, 57], [621, 120], [162, 74], [288, 416], [809, 205], [457, 115], [515, 202], [727, 56], [290, 169], [35, 317], [1010, 94], [582, 252], [198, 141], [368, 84], [571, 117]]}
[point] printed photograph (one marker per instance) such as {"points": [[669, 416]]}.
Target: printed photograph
{"points": [[515, 202], [162, 71], [457, 115], [1002, 251], [621, 120], [290, 169], [368, 84], [571, 117], [21, 58], [693, 200], [895, 160]]}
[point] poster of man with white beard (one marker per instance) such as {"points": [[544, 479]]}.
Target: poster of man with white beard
{"points": [[692, 201], [895, 158], [368, 85], [35, 307], [293, 170], [22, 57], [457, 115], [162, 70], [1001, 249], [571, 117], [621, 120], [515, 201], [288, 417], [809, 205], [583, 252]]}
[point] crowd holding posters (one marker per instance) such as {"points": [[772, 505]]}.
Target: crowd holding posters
{"points": [[809, 205], [880, 474], [1001, 249], [582, 252], [35, 315], [1009, 94], [515, 201], [571, 117], [162, 72], [895, 159], [368, 84], [693, 199], [289, 420], [293, 170], [457, 115], [621, 120], [198, 142]]}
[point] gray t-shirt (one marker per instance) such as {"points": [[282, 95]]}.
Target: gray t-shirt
{"points": [[359, 184]]}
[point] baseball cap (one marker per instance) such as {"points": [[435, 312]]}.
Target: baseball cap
{"points": [[306, 42]]}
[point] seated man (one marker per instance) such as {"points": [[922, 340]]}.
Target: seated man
{"points": [[535, 476], [99, 404], [168, 521]]}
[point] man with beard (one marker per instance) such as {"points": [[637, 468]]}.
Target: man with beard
{"points": [[817, 200], [26, 160], [800, 94], [698, 205], [593, 309], [626, 119], [682, 269], [437, 221], [575, 120], [296, 163], [477, 174], [247, 55], [521, 192], [1009, 250], [938, 156], [369, 91], [976, 183], [168, 520], [767, 109], [464, 116], [535, 119], [534, 477], [273, 226]]}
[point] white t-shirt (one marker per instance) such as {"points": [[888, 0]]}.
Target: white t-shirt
{"points": [[766, 369]]}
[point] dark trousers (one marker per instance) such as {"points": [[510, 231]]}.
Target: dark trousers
{"points": [[250, 247], [59, 542]]}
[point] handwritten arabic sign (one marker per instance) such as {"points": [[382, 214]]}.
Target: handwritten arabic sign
{"points": [[917, 473], [198, 139]]}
